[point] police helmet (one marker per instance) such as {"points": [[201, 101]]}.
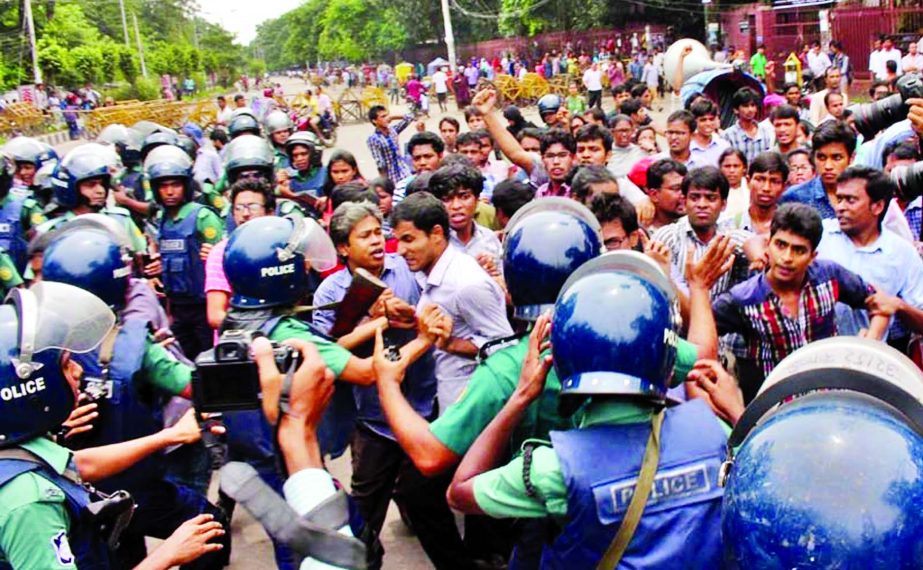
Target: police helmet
{"points": [[89, 258], [149, 127], [169, 162], [546, 240], [7, 170], [831, 452], [242, 124], [308, 139], [614, 330], [127, 142], [249, 152], [28, 150], [265, 260], [156, 139], [36, 326], [277, 121], [549, 104], [85, 162], [243, 111], [187, 145]]}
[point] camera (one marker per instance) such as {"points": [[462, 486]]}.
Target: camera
{"points": [[909, 180], [226, 377], [874, 117]]}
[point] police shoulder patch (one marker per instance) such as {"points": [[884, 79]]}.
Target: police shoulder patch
{"points": [[62, 550], [5, 274], [210, 232], [36, 218]]}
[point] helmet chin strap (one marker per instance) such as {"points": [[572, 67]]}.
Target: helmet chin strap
{"points": [[294, 240], [27, 307]]}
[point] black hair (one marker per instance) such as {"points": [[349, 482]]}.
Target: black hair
{"points": [[597, 113], [258, 186], [510, 195], [594, 132], [831, 132], [799, 219], [420, 183], [219, 135], [338, 155], [797, 151], [384, 183], [901, 150], [708, 178], [470, 112], [529, 133], [467, 138], [630, 106], [769, 161], [829, 95], [891, 66], [456, 158], [584, 176], [784, 112], [424, 211], [426, 138], [876, 85], [638, 90], [558, 136], [789, 85], [447, 180], [733, 151], [745, 95], [619, 89], [659, 169], [878, 185], [452, 121], [830, 70], [221, 98], [374, 110], [482, 134], [614, 120], [683, 116], [703, 106], [239, 97], [355, 191], [610, 207]]}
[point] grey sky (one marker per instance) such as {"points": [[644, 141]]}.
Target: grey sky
{"points": [[242, 16]]}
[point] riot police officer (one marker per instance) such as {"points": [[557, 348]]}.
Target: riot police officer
{"points": [[18, 216], [830, 451], [278, 127], [48, 517], [81, 186], [243, 122], [130, 188], [29, 154], [306, 177], [131, 378], [635, 480], [187, 232]]}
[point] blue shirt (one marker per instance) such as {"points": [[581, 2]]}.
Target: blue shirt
{"points": [[914, 213], [813, 194], [420, 382], [891, 264], [869, 153]]}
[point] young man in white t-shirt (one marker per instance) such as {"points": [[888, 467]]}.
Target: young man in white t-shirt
{"points": [[441, 84]]}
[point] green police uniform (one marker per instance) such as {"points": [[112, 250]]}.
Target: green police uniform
{"points": [[31, 215], [212, 197], [502, 493], [138, 243], [494, 382], [9, 276], [34, 520], [334, 356], [163, 371], [209, 227]]}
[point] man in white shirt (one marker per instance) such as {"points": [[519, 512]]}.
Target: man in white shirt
{"points": [[913, 61], [818, 107], [818, 61], [224, 112], [441, 84], [888, 53], [593, 81]]}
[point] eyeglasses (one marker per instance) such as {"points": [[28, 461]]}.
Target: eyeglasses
{"points": [[614, 243], [253, 208]]}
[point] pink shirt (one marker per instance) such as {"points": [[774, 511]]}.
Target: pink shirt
{"points": [[215, 279]]}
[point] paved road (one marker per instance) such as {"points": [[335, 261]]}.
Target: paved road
{"points": [[252, 549]]}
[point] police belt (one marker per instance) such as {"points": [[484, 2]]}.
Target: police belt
{"points": [[313, 535]]}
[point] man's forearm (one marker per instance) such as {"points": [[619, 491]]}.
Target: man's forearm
{"points": [[878, 326], [429, 455], [97, 463], [703, 332], [508, 143], [461, 347], [485, 453], [298, 445]]}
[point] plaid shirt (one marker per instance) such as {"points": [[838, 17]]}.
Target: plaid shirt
{"points": [[386, 151], [914, 215], [763, 141], [753, 309]]}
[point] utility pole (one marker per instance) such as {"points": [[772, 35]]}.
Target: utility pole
{"points": [[449, 35], [30, 31], [124, 22], [134, 18]]}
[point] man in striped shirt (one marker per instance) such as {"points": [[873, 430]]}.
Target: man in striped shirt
{"points": [[793, 302], [748, 134]]}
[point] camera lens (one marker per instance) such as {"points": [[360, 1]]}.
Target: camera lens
{"points": [[909, 180], [871, 118]]}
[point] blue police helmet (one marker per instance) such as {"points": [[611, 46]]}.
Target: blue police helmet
{"points": [[249, 152], [614, 330], [165, 162], [244, 123], [546, 241], [89, 258], [28, 150], [265, 260], [36, 325], [833, 478], [548, 104], [156, 139], [85, 162]]}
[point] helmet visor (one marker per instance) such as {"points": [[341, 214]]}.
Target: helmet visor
{"points": [[314, 243], [68, 318]]}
